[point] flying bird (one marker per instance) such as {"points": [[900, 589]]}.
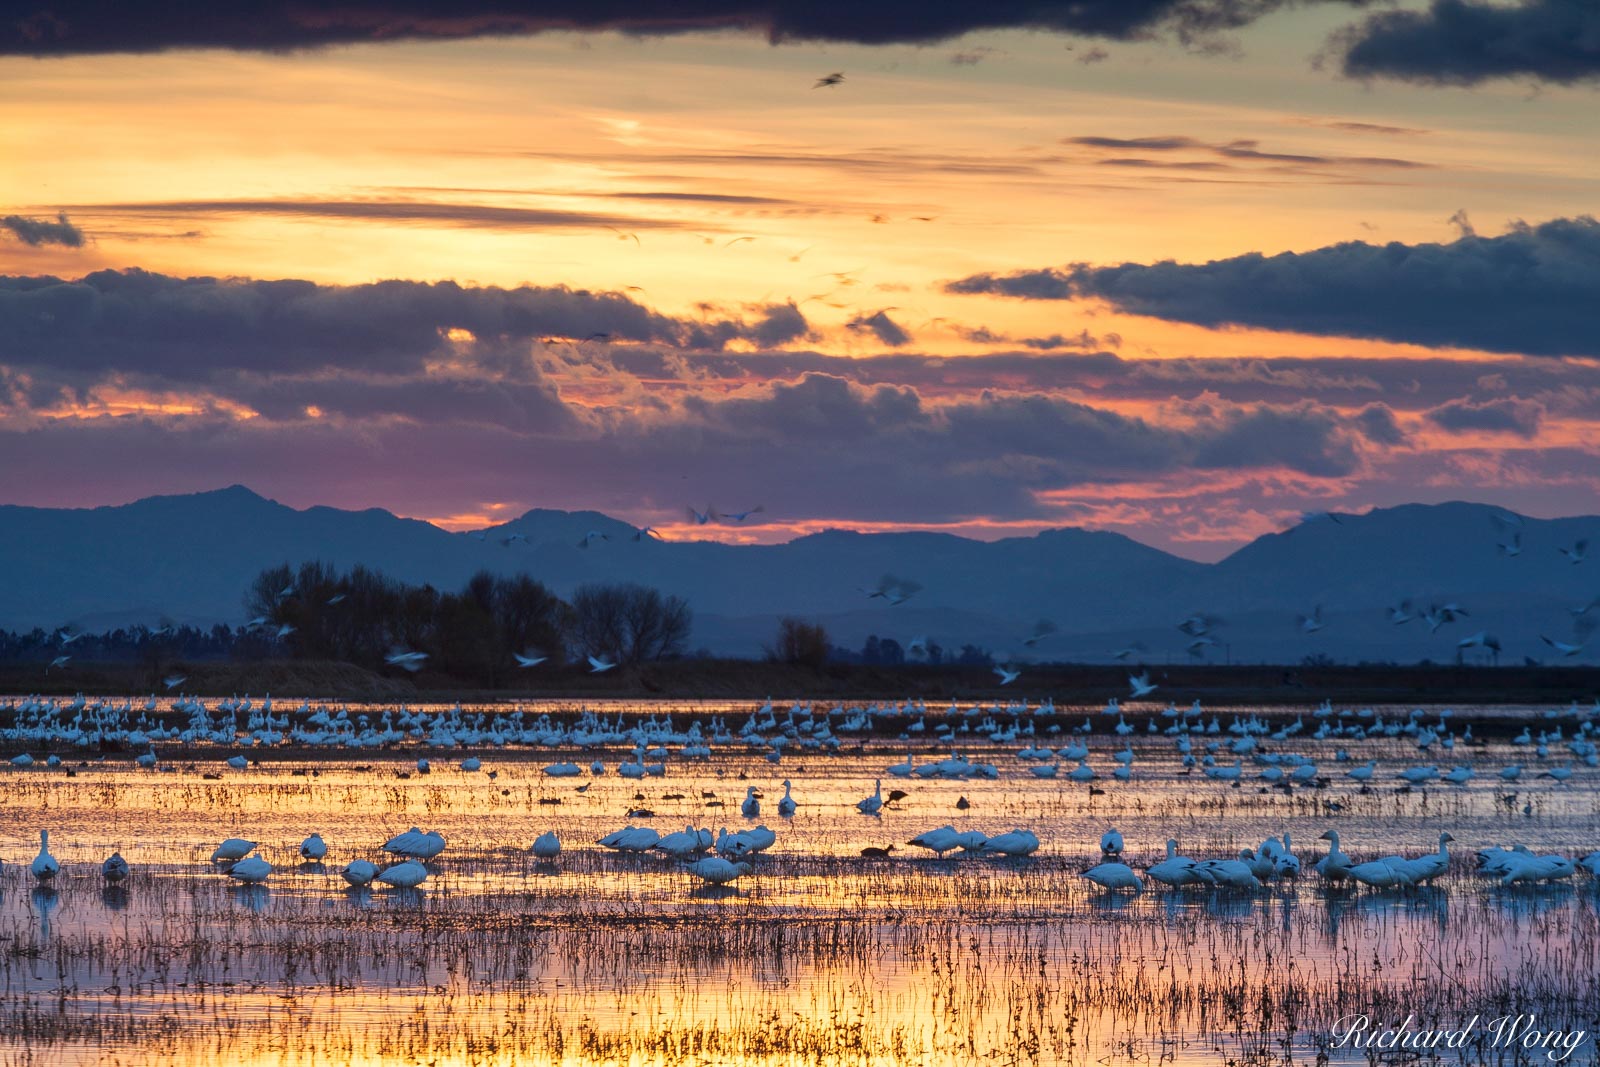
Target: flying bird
{"points": [[285, 630], [1510, 548], [1401, 613], [740, 516], [600, 666], [700, 518], [1140, 685], [646, 531], [59, 661], [1310, 624], [1199, 625], [510, 539], [591, 537], [1007, 676], [1041, 630], [1561, 646], [829, 80], [529, 658], [1578, 552], [1124, 653], [172, 681], [405, 659]]}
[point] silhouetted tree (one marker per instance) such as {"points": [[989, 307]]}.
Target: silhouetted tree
{"points": [[628, 623], [801, 643]]}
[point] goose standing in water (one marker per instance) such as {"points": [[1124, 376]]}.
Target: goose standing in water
{"points": [[786, 806], [407, 875], [115, 868], [1013, 843], [547, 846], [1335, 866], [232, 850], [359, 873], [751, 808], [253, 870], [1424, 869], [44, 865], [1111, 844], [716, 870], [313, 848], [874, 804], [1114, 876], [1178, 870]]}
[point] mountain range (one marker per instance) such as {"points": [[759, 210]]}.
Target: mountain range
{"points": [[190, 558]]}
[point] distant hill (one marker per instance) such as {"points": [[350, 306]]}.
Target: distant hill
{"points": [[190, 558]]}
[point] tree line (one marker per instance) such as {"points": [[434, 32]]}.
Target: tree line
{"points": [[362, 616]]}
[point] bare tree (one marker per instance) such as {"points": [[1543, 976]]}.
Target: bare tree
{"points": [[629, 623], [800, 643]]}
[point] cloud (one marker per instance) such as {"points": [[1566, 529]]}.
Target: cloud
{"points": [[477, 216], [1463, 42], [188, 329], [1529, 291], [1377, 423], [1241, 149], [881, 326], [1511, 415], [66, 27], [37, 232]]}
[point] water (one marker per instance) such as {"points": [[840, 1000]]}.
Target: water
{"points": [[819, 956]]}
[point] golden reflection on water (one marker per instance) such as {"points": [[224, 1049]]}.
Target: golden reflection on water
{"points": [[820, 956]]}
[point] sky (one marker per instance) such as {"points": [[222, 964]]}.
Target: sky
{"points": [[1181, 269]]}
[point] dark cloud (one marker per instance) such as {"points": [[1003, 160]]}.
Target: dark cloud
{"points": [[44, 232], [1377, 423], [1463, 42], [65, 27], [1510, 415], [477, 216], [881, 326], [1083, 341], [187, 329], [1245, 150], [1529, 291]]}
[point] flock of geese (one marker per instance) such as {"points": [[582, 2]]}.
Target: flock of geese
{"points": [[1275, 859], [723, 858]]}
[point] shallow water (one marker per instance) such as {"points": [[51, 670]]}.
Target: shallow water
{"points": [[818, 956]]}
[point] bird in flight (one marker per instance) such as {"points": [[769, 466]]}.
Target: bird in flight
{"points": [[600, 666], [829, 80], [337, 598], [1041, 630], [591, 537], [623, 235], [1310, 624], [700, 518], [1007, 676], [529, 658], [736, 240], [1140, 686], [1401, 613], [406, 660], [285, 630], [1578, 552], [510, 539], [1561, 646], [646, 531], [172, 681], [740, 516], [1512, 547], [1124, 653], [60, 661]]}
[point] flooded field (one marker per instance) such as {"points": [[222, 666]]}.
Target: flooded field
{"points": [[818, 954]]}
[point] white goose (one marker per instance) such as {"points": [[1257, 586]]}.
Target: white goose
{"points": [[1178, 870], [115, 868], [232, 850], [1110, 875], [874, 804], [359, 873], [716, 870], [407, 875], [1335, 866], [786, 806], [44, 865], [547, 846], [751, 808]]}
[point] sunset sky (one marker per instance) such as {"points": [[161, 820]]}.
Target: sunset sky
{"points": [[1177, 268]]}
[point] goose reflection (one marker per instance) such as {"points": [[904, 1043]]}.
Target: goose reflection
{"points": [[114, 897], [45, 900], [254, 897]]}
